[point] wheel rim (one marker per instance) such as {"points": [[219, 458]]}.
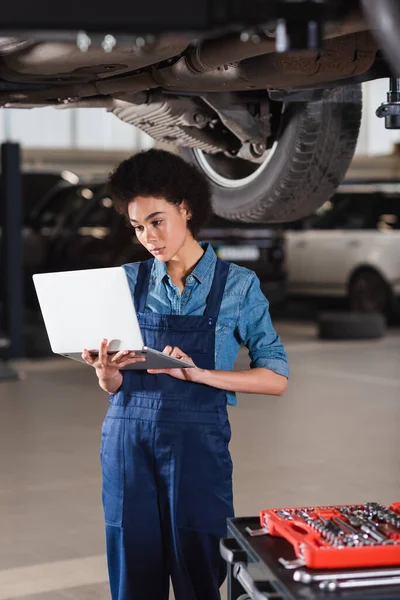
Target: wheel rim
{"points": [[369, 293], [231, 173]]}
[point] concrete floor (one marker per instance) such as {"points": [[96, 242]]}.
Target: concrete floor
{"points": [[332, 439]]}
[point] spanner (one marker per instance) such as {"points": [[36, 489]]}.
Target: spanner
{"points": [[333, 586], [303, 576]]}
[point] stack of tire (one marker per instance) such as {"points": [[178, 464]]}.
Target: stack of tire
{"points": [[351, 325]]}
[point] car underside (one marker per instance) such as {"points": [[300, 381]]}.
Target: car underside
{"points": [[266, 101]]}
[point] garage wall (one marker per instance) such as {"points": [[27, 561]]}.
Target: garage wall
{"points": [[374, 138], [76, 128]]}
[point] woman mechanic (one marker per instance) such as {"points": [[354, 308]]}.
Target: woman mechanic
{"points": [[167, 471]]}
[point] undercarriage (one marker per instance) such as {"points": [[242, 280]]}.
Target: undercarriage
{"points": [[218, 80]]}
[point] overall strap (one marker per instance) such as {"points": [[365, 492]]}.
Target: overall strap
{"points": [[142, 284], [214, 298], [217, 289]]}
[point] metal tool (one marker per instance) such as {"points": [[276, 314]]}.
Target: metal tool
{"points": [[331, 526], [305, 516], [355, 537], [284, 514], [333, 586], [382, 513], [386, 515], [256, 532], [291, 564], [354, 522], [340, 537], [303, 576], [369, 527], [250, 586], [323, 528]]}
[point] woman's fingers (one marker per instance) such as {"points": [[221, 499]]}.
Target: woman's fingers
{"points": [[122, 357], [177, 353], [130, 361], [119, 355], [87, 357], [102, 358], [174, 351], [126, 357], [104, 361]]}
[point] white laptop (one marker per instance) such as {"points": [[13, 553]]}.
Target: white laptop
{"points": [[80, 308]]}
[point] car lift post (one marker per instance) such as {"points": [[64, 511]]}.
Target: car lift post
{"points": [[11, 272]]}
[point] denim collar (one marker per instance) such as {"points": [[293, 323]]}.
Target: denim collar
{"points": [[201, 270]]}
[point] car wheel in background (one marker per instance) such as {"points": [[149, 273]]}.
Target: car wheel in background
{"points": [[369, 292]]}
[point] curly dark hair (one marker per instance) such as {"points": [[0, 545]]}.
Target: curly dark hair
{"points": [[162, 174]]}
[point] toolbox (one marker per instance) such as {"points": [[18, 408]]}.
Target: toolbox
{"points": [[263, 566], [344, 536]]}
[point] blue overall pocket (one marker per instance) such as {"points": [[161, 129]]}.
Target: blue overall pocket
{"points": [[204, 480], [113, 466]]}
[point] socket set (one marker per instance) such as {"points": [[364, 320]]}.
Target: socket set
{"points": [[336, 537]]}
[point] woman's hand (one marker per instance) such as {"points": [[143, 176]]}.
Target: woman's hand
{"points": [[192, 374], [107, 366]]}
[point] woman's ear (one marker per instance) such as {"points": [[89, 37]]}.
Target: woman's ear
{"points": [[186, 211]]}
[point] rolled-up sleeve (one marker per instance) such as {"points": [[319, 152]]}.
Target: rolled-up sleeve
{"points": [[256, 332]]}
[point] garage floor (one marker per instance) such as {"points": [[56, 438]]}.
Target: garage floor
{"points": [[333, 438]]}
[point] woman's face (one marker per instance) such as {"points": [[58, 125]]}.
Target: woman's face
{"points": [[159, 225]]}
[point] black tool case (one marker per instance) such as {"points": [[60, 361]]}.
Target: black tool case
{"points": [[254, 570]]}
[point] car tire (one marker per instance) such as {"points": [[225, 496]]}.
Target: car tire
{"points": [[310, 157], [369, 292], [351, 326]]}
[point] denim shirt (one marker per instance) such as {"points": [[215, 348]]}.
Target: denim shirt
{"points": [[243, 319]]}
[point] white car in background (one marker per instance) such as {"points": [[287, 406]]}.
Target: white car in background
{"points": [[350, 249]]}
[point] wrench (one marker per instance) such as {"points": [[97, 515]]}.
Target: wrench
{"points": [[370, 528], [354, 536], [333, 586], [303, 576]]}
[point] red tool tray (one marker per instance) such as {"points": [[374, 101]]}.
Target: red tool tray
{"points": [[316, 551]]}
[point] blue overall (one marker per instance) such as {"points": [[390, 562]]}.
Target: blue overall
{"points": [[167, 471]]}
